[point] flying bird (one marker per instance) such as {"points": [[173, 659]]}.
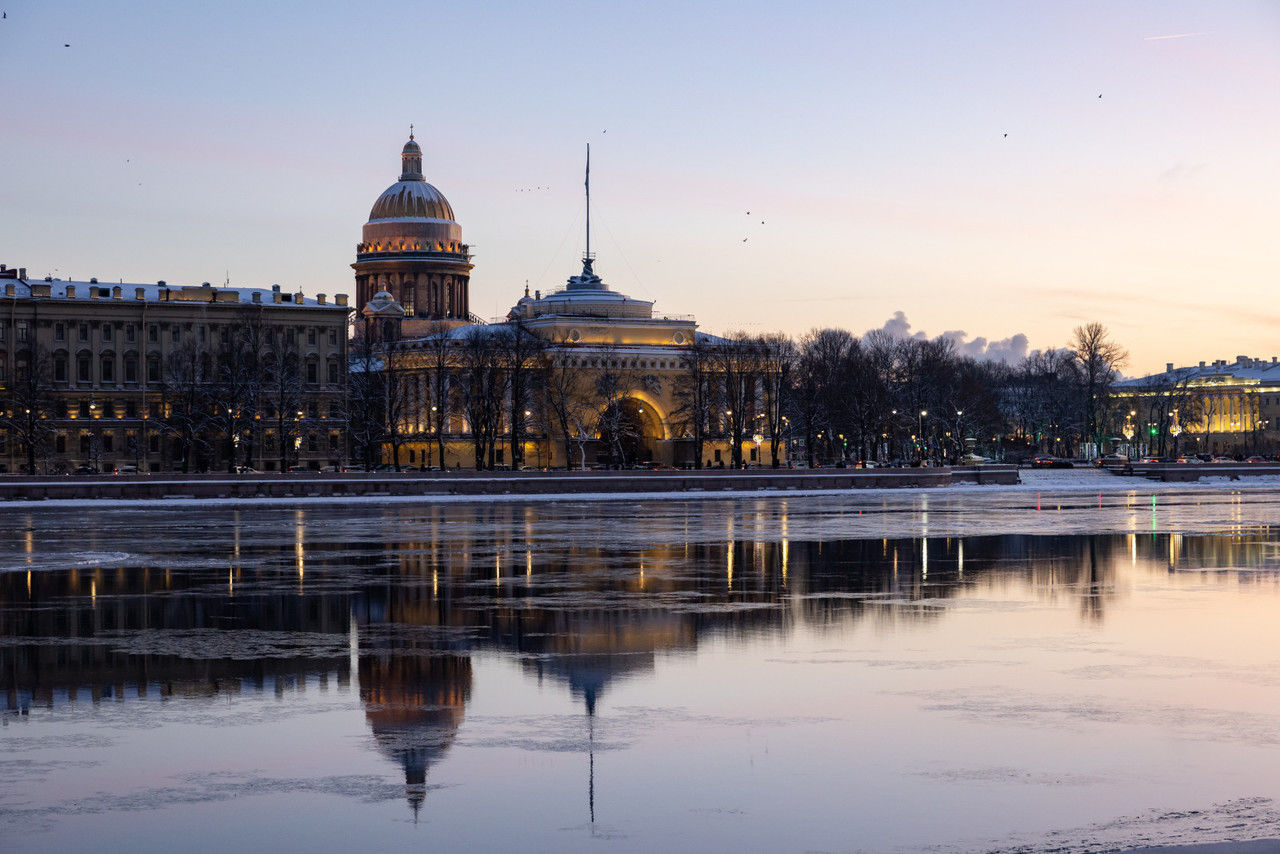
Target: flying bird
{"points": [[744, 240], [1006, 134], [66, 45], [1099, 95]]}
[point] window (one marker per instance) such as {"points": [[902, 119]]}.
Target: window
{"points": [[153, 333], [60, 444], [84, 409], [201, 333], [333, 373], [333, 443], [4, 331], [313, 410], [407, 301], [131, 369], [153, 444], [83, 374], [312, 372], [131, 409], [224, 335], [108, 442], [130, 333], [106, 332], [311, 336], [108, 374], [153, 369], [83, 332], [312, 444], [333, 338], [291, 337], [84, 444], [3, 374], [24, 331], [175, 334], [60, 368], [59, 331]]}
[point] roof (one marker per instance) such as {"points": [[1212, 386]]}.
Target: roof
{"points": [[1243, 370], [93, 291]]}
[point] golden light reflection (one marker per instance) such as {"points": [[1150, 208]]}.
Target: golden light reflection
{"points": [[93, 592], [299, 550], [231, 582], [435, 582], [924, 558], [528, 564], [28, 584], [960, 559]]}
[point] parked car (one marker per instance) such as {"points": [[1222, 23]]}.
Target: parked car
{"points": [[1045, 461], [1257, 459], [1191, 460], [85, 470]]}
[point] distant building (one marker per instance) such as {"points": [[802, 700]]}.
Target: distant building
{"points": [[629, 366], [1219, 407], [412, 248], [158, 378]]}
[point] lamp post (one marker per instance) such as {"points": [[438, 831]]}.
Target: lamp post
{"points": [[920, 432]]}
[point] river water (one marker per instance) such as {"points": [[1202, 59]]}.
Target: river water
{"points": [[972, 670]]}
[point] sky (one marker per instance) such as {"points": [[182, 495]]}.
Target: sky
{"points": [[927, 167]]}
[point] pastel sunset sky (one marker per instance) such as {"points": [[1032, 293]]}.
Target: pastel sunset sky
{"points": [[952, 162]]}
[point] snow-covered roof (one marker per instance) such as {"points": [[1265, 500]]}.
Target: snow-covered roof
{"points": [[94, 291], [1243, 370]]}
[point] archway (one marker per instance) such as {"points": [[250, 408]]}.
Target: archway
{"points": [[630, 432]]}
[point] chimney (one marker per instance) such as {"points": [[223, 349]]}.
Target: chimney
{"points": [[93, 280], [1202, 363], [537, 294], [140, 293], [22, 272], [1168, 367], [257, 296], [117, 292], [71, 291], [340, 299], [275, 289], [162, 283], [276, 296], [320, 299]]}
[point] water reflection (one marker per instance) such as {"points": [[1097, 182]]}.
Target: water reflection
{"points": [[405, 604]]}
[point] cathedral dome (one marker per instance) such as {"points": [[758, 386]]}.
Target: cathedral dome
{"points": [[412, 199], [411, 214]]}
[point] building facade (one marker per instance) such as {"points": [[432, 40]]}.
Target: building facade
{"points": [[412, 248], [156, 377], [1221, 408], [585, 375]]}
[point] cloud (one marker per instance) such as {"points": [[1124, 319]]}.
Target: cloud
{"points": [[1174, 36], [1009, 350]]}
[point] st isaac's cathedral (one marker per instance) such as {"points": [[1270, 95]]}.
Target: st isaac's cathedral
{"points": [[598, 350]]}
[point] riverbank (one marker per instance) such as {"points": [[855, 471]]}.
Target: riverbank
{"points": [[471, 483]]}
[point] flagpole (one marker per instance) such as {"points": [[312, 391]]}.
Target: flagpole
{"points": [[587, 183]]}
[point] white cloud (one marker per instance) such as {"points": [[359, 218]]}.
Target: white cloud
{"points": [[1009, 350]]}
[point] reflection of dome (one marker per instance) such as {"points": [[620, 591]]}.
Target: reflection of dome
{"points": [[414, 706]]}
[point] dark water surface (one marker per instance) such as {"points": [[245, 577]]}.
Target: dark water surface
{"points": [[1012, 672]]}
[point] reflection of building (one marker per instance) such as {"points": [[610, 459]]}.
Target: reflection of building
{"points": [[414, 705], [615, 368], [101, 369], [1220, 407]]}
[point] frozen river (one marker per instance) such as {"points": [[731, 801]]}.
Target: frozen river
{"points": [[1082, 664]]}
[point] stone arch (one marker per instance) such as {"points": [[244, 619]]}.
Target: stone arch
{"points": [[636, 431]]}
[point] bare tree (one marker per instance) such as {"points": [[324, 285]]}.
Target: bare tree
{"points": [[27, 404], [569, 400], [520, 354], [777, 359], [482, 390], [1099, 359], [693, 393]]}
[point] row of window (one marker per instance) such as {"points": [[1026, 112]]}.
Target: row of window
{"points": [[107, 409], [82, 332], [129, 373]]}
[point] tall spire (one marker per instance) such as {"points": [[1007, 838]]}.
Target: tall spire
{"points": [[586, 258]]}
